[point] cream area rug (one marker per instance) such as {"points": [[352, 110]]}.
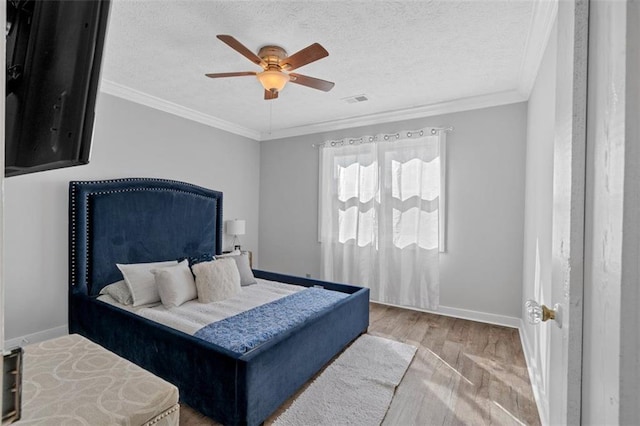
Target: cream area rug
{"points": [[356, 389]]}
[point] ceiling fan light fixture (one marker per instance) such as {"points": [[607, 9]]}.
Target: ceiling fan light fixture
{"points": [[274, 60], [273, 80]]}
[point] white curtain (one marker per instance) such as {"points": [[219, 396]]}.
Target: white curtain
{"points": [[379, 215]]}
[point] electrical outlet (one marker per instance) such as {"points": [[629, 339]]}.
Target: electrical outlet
{"points": [[307, 275]]}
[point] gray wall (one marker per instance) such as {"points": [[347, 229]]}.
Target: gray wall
{"points": [[130, 140], [536, 277], [482, 269]]}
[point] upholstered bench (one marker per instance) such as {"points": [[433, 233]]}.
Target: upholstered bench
{"points": [[71, 380]]}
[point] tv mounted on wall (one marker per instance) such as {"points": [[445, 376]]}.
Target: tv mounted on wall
{"points": [[54, 53]]}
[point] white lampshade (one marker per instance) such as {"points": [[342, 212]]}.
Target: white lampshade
{"points": [[273, 80], [236, 227]]}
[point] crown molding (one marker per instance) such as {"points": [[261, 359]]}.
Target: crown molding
{"points": [[133, 95], [458, 105], [542, 21]]}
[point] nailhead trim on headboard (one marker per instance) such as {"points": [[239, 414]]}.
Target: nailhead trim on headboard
{"points": [[73, 233], [74, 211]]}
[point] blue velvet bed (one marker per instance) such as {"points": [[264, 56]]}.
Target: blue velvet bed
{"points": [[140, 220]]}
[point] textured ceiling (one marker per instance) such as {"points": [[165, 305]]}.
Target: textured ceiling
{"points": [[401, 55]]}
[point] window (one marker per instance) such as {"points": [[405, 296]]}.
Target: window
{"points": [[381, 215]]}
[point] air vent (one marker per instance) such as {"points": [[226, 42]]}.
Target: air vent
{"points": [[355, 99]]}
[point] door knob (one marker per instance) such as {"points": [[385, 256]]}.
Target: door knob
{"points": [[537, 313]]}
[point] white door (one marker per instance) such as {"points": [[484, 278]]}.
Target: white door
{"points": [[596, 232], [565, 350]]}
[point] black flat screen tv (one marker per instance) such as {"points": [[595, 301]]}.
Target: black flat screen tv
{"points": [[54, 53]]}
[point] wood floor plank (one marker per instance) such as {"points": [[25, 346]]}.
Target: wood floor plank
{"points": [[464, 372]]}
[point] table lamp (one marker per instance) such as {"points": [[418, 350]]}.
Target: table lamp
{"points": [[236, 227]]}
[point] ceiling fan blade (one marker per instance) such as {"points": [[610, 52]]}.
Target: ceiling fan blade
{"points": [[230, 74], [314, 83], [268, 94], [242, 49], [303, 57]]}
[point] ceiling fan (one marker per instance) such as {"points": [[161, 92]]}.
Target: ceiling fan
{"points": [[277, 66]]}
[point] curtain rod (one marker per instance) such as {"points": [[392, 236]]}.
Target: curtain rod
{"points": [[386, 136]]}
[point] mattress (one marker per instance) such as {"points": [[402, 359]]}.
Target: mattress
{"points": [[193, 315]]}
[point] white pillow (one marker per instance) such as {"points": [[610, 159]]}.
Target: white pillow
{"points": [[175, 284], [141, 281], [216, 280], [119, 292], [244, 268]]}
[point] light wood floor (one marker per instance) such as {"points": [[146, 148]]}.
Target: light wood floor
{"points": [[464, 372]]}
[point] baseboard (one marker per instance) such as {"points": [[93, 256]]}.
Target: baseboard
{"points": [[534, 377], [485, 317], [40, 336]]}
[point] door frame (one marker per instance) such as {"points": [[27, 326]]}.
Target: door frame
{"points": [[3, 19], [569, 171]]}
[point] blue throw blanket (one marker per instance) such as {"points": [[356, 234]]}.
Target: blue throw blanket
{"points": [[247, 330]]}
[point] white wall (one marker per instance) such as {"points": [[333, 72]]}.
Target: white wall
{"points": [[536, 274], [130, 140], [482, 269]]}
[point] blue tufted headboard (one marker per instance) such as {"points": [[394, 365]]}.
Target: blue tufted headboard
{"points": [[137, 220]]}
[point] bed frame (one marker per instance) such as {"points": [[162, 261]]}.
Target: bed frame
{"points": [[143, 220]]}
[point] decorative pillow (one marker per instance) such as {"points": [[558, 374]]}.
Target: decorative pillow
{"points": [[217, 280], [242, 262], [204, 257], [175, 284], [119, 292], [230, 253], [141, 281]]}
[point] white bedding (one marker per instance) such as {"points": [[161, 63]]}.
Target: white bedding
{"points": [[193, 315]]}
